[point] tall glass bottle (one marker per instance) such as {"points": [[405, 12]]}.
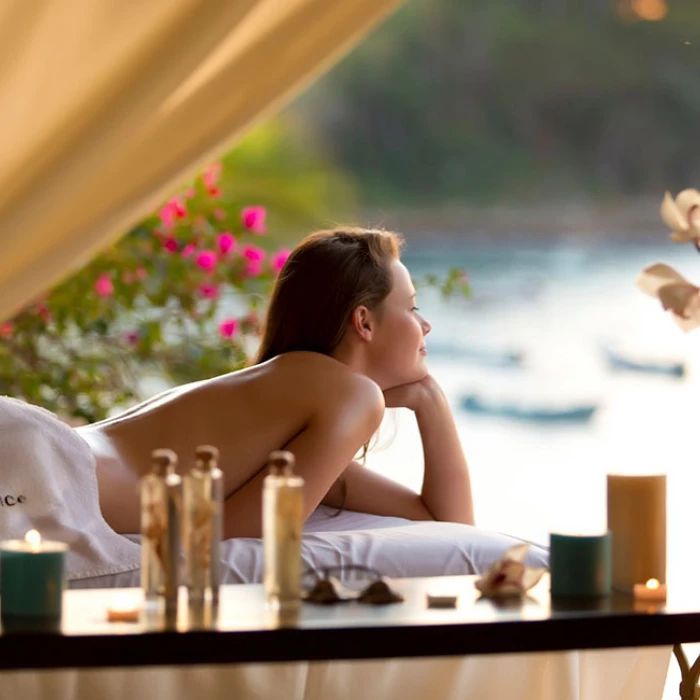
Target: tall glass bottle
{"points": [[161, 512], [282, 531], [203, 507]]}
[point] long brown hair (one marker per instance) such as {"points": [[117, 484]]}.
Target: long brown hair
{"points": [[327, 276]]}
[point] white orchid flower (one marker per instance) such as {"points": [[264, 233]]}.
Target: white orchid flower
{"points": [[509, 576], [675, 293], [682, 215]]}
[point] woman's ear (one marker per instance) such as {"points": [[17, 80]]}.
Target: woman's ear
{"points": [[362, 323]]}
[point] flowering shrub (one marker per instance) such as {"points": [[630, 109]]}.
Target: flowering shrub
{"points": [[178, 296]]}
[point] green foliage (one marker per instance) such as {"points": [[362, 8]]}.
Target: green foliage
{"points": [[464, 100], [180, 295], [456, 283]]}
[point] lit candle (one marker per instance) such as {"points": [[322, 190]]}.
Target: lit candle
{"points": [[31, 583], [124, 608], [652, 590]]}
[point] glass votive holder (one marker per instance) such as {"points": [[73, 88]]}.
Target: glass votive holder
{"points": [[580, 565], [32, 575]]}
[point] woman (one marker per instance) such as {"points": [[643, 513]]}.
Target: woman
{"points": [[343, 339]]}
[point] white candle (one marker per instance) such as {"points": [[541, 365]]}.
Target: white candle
{"points": [[637, 520]]}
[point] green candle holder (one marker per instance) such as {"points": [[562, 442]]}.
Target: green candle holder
{"points": [[31, 584], [580, 565]]}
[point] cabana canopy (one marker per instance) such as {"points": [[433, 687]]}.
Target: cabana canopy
{"points": [[107, 105]]}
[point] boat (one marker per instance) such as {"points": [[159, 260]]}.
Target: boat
{"points": [[541, 414], [670, 368], [478, 356]]}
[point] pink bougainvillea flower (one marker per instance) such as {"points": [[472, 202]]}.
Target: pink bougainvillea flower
{"points": [[253, 268], [226, 242], [190, 192], [178, 207], [209, 291], [211, 175], [104, 286], [219, 214], [253, 257], [167, 216], [43, 311], [188, 250], [214, 192], [141, 273], [127, 277], [173, 209], [228, 328], [206, 260], [7, 329], [170, 244], [253, 219], [132, 338], [279, 258], [253, 253]]}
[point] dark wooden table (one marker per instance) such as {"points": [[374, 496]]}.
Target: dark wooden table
{"points": [[245, 632]]}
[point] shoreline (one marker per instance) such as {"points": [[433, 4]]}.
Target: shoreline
{"points": [[633, 220]]}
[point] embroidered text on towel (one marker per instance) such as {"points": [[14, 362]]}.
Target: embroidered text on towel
{"points": [[10, 500]]}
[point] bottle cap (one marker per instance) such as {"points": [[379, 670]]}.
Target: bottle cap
{"points": [[163, 461], [280, 462], [206, 456]]}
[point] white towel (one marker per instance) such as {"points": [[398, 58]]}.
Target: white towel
{"points": [[48, 482]]}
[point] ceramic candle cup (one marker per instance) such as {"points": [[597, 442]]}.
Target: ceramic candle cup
{"points": [[580, 565], [31, 583]]}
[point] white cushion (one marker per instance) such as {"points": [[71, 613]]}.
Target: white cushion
{"points": [[395, 547]]}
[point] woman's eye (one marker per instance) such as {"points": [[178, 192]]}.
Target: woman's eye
{"points": [[415, 308]]}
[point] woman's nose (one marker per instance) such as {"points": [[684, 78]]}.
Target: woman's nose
{"points": [[426, 326]]}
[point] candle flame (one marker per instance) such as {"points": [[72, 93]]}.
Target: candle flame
{"points": [[33, 539], [652, 584]]}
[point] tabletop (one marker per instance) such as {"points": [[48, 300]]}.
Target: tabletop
{"points": [[245, 631]]}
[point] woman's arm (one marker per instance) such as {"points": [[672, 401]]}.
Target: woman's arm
{"points": [[366, 491], [446, 492]]}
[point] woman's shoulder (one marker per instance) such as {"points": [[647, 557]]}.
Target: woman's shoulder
{"points": [[323, 372]]}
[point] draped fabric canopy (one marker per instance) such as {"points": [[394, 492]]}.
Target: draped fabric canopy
{"points": [[107, 105]]}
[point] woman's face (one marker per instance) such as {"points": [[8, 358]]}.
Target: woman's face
{"points": [[397, 350]]}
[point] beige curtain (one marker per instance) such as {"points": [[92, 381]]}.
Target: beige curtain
{"points": [[107, 105]]}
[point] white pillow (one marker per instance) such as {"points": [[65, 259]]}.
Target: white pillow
{"points": [[395, 547]]}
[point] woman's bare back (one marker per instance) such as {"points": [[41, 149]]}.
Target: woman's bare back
{"points": [[245, 414]]}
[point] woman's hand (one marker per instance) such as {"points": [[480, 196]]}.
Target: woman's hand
{"points": [[446, 490], [414, 395]]}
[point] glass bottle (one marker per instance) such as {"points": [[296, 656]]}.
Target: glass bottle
{"points": [[161, 508], [282, 531], [203, 508]]}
